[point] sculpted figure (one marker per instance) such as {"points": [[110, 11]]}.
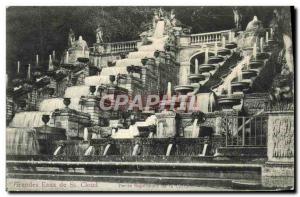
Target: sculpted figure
{"points": [[71, 39], [99, 34], [237, 18]]}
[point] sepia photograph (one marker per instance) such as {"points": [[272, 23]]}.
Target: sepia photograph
{"points": [[150, 99]]}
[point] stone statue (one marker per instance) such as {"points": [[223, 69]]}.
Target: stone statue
{"points": [[254, 25], [71, 38], [155, 18], [99, 35], [160, 13], [237, 18]]}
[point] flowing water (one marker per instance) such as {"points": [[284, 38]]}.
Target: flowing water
{"points": [[28, 119], [227, 81], [21, 141]]}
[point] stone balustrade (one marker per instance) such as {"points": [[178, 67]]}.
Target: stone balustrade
{"points": [[210, 37], [115, 47]]}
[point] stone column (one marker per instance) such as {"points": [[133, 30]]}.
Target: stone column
{"points": [[184, 71], [278, 171]]}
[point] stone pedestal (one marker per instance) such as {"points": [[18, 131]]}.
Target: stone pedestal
{"points": [[278, 172], [91, 107], [166, 124], [72, 121]]}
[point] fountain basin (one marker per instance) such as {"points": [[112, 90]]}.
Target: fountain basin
{"points": [[271, 42], [230, 45], [255, 64], [247, 74], [224, 52], [262, 56], [83, 59], [207, 67], [240, 86], [215, 59], [196, 78], [227, 103], [183, 89]]}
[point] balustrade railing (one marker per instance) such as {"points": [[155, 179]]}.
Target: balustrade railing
{"points": [[246, 131], [115, 47], [210, 37]]}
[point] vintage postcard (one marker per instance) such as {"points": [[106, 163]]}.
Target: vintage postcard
{"points": [[148, 99]]}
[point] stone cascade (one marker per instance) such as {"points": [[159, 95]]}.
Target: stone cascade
{"points": [[241, 78]]}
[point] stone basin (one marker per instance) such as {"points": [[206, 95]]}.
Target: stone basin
{"points": [[196, 78], [230, 45], [227, 103], [255, 64], [207, 67], [262, 56], [271, 42], [184, 89], [224, 52], [83, 59], [240, 86], [215, 59], [247, 74]]}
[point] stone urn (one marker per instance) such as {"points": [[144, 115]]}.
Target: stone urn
{"points": [[67, 102], [51, 92], [112, 78], [92, 89], [45, 118], [110, 63], [156, 53], [144, 61]]}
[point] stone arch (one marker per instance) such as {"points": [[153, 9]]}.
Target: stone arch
{"points": [[200, 56]]}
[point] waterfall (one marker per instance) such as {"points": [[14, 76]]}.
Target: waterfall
{"points": [[67, 57], [28, 72], [50, 63], [53, 54], [18, 70], [267, 37], [106, 149], [203, 100], [150, 135], [57, 150], [52, 104], [196, 66], [21, 141], [261, 44], [77, 91], [37, 59], [216, 48], [89, 151], [254, 51], [135, 149], [195, 129], [28, 119], [159, 30], [227, 81], [223, 41], [169, 91], [169, 149]]}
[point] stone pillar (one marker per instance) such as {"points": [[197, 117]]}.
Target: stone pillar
{"points": [[72, 121], [184, 71], [278, 171], [166, 124], [91, 107]]}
